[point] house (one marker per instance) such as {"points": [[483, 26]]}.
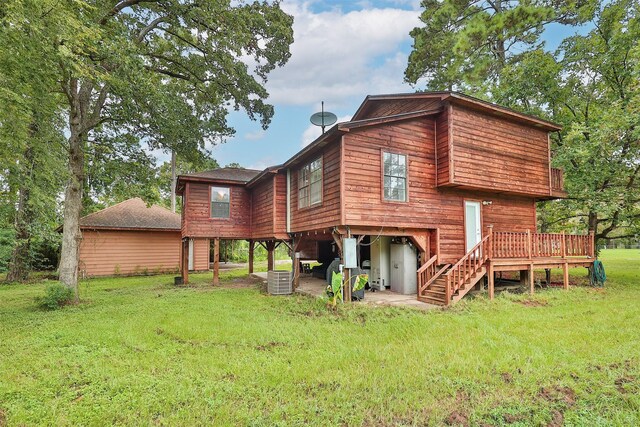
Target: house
{"points": [[133, 238], [453, 177]]}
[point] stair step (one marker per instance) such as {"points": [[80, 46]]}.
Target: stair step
{"points": [[434, 293], [430, 300]]}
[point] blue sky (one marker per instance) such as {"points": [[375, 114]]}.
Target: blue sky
{"points": [[343, 51]]}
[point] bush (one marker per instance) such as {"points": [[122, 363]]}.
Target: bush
{"points": [[56, 295]]}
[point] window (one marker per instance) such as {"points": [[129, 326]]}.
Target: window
{"points": [[310, 184], [395, 177], [220, 202]]}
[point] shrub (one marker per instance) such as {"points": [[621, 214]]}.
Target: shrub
{"points": [[56, 295]]}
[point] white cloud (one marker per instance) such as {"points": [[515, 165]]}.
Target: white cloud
{"points": [[338, 55], [256, 135], [312, 132]]}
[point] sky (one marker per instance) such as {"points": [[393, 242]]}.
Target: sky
{"points": [[343, 50]]}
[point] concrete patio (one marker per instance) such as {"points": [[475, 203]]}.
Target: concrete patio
{"points": [[316, 288]]}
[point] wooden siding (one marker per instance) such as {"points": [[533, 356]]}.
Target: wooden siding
{"points": [[443, 147], [326, 214], [428, 207], [384, 108], [196, 213], [495, 154], [280, 221], [201, 254], [262, 209], [106, 253]]}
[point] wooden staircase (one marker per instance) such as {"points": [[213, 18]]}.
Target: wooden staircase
{"points": [[444, 285]]}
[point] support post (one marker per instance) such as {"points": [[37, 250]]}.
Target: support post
{"points": [[271, 245], [528, 243], [564, 246], [185, 262], [490, 242], [531, 279], [295, 262], [565, 275], [252, 246], [216, 261], [491, 280]]}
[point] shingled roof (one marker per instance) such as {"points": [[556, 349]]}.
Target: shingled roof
{"points": [[132, 214], [226, 174]]}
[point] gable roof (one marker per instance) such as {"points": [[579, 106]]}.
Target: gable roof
{"points": [[132, 214], [461, 99], [225, 174]]}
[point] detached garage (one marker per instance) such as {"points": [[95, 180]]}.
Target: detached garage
{"points": [[131, 238]]}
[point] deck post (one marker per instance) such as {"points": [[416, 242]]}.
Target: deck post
{"points": [[531, 279], [592, 249], [185, 262], [252, 246], [564, 246], [490, 242], [528, 243], [270, 252], [216, 261], [491, 279], [565, 275]]}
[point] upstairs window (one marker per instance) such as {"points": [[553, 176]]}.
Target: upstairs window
{"points": [[220, 202], [395, 177], [310, 184]]}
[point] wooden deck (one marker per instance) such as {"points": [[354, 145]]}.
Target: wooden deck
{"points": [[504, 251]]}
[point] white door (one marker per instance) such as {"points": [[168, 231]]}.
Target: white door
{"points": [[190, 254], [473, 230]]}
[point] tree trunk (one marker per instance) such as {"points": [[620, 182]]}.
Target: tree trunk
{"points": [[19, 265], [71, 236]]}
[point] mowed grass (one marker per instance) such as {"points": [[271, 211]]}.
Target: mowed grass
{"points": [[140, 351]]}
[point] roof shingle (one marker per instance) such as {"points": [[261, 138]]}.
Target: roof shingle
{"points": [[134, 214]]}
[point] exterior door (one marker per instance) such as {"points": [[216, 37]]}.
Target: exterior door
{"points": [[190, 254], [472, 223]]}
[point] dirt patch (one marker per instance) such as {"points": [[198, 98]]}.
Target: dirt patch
{"points": [[622, 382], [457, 418], [270, 345], [510, 418], [532, 303], [3, 418], [557, 419], [558, 394], [506, 377]]}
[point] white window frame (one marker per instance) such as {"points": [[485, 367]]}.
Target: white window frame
{"points": [[310, 184], [216, 189], [397, 174]]}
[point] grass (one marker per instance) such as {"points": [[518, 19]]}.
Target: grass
{"points": [[140, 351]]}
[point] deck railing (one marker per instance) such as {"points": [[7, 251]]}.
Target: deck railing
{"points": [[426, 273], [557, 179], [509, 244]]}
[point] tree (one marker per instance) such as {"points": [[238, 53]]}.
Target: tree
{"points": [[590, 86], [465, 44], [31, 133], [164, 72]]}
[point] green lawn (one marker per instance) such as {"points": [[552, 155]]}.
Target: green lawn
{"points": [[141, 351]]}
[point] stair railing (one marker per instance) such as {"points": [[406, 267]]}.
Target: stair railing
{"points": [[467, 266], [426, 273]]}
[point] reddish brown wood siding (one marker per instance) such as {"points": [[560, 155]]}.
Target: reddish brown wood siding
{"points": [[427, 207], [328, 213], [262, 209], [196, 213], [392, 107], [492, 153], [280, 221], [443, 146]]}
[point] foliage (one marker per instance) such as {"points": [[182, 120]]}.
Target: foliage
{"points": [[227, 353], [136, 76], [589, 86], [56, 295]]}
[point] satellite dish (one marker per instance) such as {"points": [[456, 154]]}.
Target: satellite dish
{"points": [[323, 118]]}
